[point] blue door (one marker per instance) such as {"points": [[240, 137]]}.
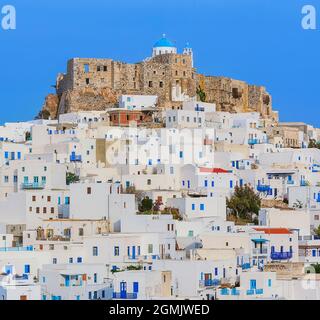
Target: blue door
{"points": [[135, 287], [188, 184], [133, 252], [67, 282], [123, 290], [8, 269], [253, 284], [314, 253]]}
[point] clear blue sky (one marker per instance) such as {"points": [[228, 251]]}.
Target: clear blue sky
{"points": [[259, 41]]}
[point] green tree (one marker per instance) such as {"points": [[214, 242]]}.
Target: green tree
{"points": [[314, 144], [71, 178], [317, 231], [146, 204], [313, 268], [244, 203], [201, 94], [43, 114], [28, 136]]}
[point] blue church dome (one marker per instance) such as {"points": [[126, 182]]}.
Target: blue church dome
{"points": [[164, 42]]}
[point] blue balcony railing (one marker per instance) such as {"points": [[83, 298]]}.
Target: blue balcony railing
{"points": [[14, 249], [250, 292], [303, 183], [74, 158], [281, 255], [124, 296], [235, 292], [290, 182], [253, 141], [263, 188], [224, 291], [209, 282], [259, 291], [246, 266], [33, 186]]}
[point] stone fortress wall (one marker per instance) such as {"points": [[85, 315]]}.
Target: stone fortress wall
{"points": [[96, 84]]}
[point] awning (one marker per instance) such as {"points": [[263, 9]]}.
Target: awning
{"points": [[259, 240]]}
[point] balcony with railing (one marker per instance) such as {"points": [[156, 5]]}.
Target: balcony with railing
{"points": [[33, 186], [286, 255], [291, 182], [246, 266], [253, 141], [263, 188], [224, 291], [260, 251], [199, 109], [124, 296], [235, 292], [16, 249], [209, 283], [75, 158], [304, 183], [250, 292]]}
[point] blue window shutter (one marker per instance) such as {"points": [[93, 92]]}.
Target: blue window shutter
{"points": [[136, 287], [206, 183], [231, 184], [27, 268]]}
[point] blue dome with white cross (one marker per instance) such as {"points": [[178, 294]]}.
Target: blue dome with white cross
{"points": [[164, 42]]}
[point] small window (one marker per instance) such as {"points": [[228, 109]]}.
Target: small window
{"points": [[161, 84], [105, 68], [95, 251], [87, 81], [150, 84], [86, 68], [89, 190], [48, 198], [116, 251]]}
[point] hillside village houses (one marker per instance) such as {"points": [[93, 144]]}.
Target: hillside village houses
{"points": [[73, 190]]}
